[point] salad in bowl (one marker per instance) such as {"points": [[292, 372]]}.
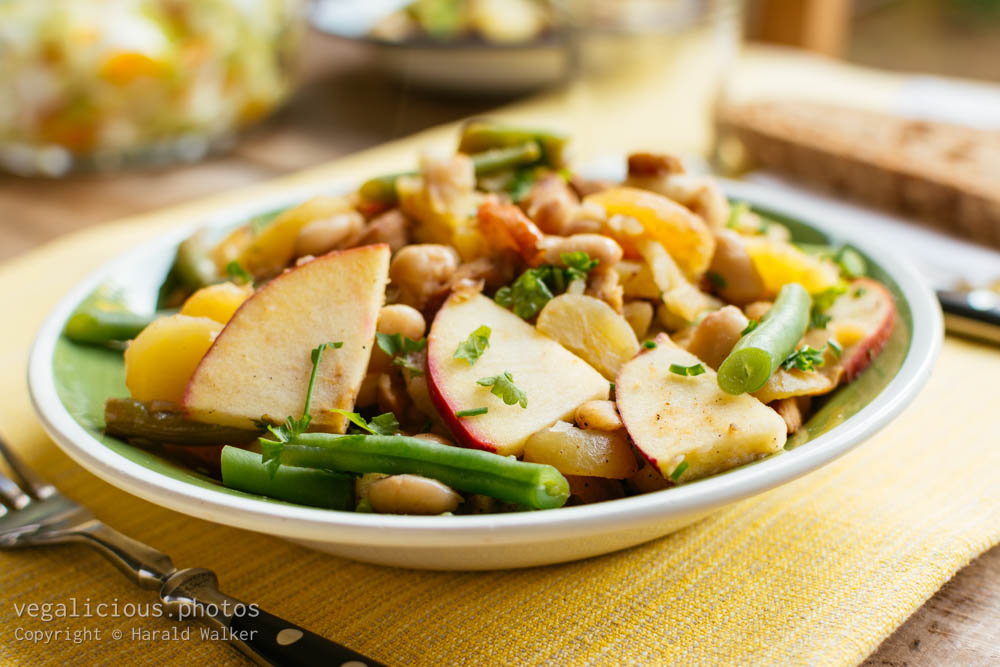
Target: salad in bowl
{"points": [[490, 333]]}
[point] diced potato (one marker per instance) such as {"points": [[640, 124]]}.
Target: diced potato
{"points": [[273, 247], [637, 280], [216, 302], [574, 451], [161, 359], [779, 263], [785, 384], [683, 233], [680, 296], [590, 329], [231, 247], [443, 203], [639, 315]]}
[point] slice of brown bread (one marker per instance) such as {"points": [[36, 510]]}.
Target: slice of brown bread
{"points": [[948, 175]]}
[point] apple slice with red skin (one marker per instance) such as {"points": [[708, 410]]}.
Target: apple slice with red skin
{"points": [[258, 368], [555, 381], [862, 319], [676, 419]]}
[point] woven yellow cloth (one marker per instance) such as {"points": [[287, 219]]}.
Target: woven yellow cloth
{"points": [[818, 571]]}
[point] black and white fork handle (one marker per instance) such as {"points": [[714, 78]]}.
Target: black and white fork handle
{"points": [[262, 637]]}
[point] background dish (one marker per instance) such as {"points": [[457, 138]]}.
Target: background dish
{"points": [[69, 384]]}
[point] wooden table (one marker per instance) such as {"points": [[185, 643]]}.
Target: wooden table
{"points": [[341, 109]]}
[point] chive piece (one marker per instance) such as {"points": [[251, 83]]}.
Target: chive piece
{"points": [[474, 412], [649, 344], [678, 471], [836, 347], [688, 371], [236, 271]]}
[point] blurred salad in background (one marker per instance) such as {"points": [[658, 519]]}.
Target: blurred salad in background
{"points": [[97, 82]]}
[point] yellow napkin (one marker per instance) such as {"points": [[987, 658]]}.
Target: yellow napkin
{"points": [[818, 571]]}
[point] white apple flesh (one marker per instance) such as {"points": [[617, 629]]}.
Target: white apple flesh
{"points": [[555, 380], [862, 320], [675, 419], [259, 366]]}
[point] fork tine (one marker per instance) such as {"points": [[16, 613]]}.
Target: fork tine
{"points": [[11, 494], [32, 484]]}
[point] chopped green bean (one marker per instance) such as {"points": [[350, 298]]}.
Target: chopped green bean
{"points": [[532, 485], [759, 353], [103, 317], [382, 189], [245, 471], [481, 135], [162, 421]]}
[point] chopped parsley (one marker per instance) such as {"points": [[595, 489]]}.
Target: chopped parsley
{"points": [[271, 449], [688, 371], [678, 471], [236, 271], [474, 412], [503, 387], [534, 288], [383, 424], [717, 280], [818, 319], [751, 325], [473, 347], [805, 359], [402, 350], [859, 292], [649, 344]]}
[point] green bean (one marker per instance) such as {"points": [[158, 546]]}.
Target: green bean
{"points": [[162, 421], [382, 189], [245, 471], [532, 485], [480, 135], [100, 321], [759, 353]]}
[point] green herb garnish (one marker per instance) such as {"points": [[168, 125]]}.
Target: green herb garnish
{"points": [[804, 359], [534, 288], [649, 344], [236, 271], [689, 371], [271, 449], [838, 350], [383, 424], [821, 302], [474, 412], [678, 471], [859, 292], [503, 386], [473, 347], [751, 325], [402, 350]]}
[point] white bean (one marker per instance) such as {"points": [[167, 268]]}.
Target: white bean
{"points": [[412, 494]]}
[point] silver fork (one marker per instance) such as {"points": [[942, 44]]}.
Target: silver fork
{"points": [[34, 513]]}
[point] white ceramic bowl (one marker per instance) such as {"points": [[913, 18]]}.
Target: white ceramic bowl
{"points": [[483, 541]]}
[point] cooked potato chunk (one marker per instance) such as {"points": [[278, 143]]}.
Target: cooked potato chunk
{"points": [[575, 451], [216, 302], [161, 359]]}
